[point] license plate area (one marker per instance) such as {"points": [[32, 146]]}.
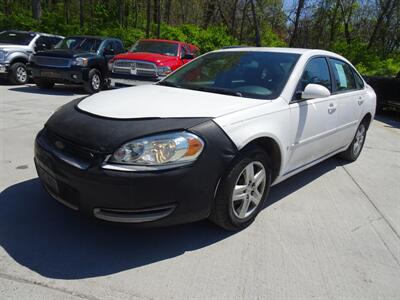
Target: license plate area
{"points": [[49, 74]]}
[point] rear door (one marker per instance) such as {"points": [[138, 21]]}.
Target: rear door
{"points": [[350, 94], [313, 122]]}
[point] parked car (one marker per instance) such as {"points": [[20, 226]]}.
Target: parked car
{"points": [[387, 91], [76, 60], [150, 60], [15, 48], [209, 140]]}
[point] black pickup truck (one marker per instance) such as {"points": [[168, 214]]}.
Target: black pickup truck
{"points": [[387, 91], [75, 60]]}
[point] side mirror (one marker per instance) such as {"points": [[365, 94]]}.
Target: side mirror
{"points": [[313, 91], [188, 56]]}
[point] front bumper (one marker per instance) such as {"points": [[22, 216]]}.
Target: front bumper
{"points": [[74, 75], [74, 177], [131, 80]]}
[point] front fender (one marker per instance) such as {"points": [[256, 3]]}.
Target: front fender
{"points": [[18, 56]]}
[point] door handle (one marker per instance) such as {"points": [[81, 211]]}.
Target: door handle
{"points": [[360, 101], [331, 108]]}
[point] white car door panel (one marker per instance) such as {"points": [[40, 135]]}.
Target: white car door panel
{"points": [[313, 122], [350, 97], [313, 127]]}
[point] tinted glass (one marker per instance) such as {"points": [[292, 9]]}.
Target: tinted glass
{"points": [[317, 72], [79, 43], [16, 38], [260, 75], [170, 49], [344, 77], [118, 47]]}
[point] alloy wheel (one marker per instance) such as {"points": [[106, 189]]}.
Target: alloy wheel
{"points": [[96, 82], [21, 74], [249, 190], [359, 140]]}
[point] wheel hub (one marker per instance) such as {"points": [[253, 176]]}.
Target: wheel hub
{"points": [[249, 190]]}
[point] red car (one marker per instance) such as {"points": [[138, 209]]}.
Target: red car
{"points": [[150, 60]]}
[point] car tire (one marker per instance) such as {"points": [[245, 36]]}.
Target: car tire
{"points": [[354, 150], [241, 196], [18, 73], [44, 84], [94, 83]]}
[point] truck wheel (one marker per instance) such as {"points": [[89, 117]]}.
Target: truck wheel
{"points": [[43, 84], [18, 73], [242, 192], [94, 83]]}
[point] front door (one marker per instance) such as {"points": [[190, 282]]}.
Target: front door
{"points": [[313, 122]]}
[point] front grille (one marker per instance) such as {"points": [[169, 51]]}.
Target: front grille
{"points": [[2, 56], [142, 68], [71, 153], [49, 61]]}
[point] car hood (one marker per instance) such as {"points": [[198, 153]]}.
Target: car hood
{"points": [[158, 59], [155, 101], [67, 53], [10, 47]]}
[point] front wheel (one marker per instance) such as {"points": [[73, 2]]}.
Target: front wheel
{"points": [[94, 83], [18, 73], [243, 190], [353, 151]]}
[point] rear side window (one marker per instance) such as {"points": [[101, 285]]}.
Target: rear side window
{"points": [[317, 72], [344, 77]]}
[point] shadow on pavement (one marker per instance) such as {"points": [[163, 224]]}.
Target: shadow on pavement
{"points": [[58, 90], [44, 236]]}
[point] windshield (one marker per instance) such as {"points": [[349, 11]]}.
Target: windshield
{"points": [[260, 75], [165, 48], [16, 38], [79, 43]]}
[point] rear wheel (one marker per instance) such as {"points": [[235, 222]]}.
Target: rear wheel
{"points": [[354, 150], [18, 73], [43, 84], [94, 83], [243, 191]]}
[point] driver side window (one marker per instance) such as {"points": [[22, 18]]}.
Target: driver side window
{"points": [[317, 72]]}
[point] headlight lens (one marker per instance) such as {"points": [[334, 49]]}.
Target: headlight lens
{"points": [[3, 55], [163, 71], [80, 61], [158, 152]]}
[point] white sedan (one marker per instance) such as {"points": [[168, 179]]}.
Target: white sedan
{"points": [[209, 140]]}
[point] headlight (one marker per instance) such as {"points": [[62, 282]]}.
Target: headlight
{"points": [[80, 61], [156, 152], [3, 55], [163, 71]]}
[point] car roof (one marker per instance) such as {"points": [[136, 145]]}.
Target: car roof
{"points": [[33, 32], [301, 51], [92, 37], [162, 40]]}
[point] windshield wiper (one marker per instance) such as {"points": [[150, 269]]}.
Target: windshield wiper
{"points": [[217, 90]]}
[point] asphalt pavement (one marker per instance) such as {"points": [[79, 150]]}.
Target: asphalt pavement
{"points": [[330, 232]]}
